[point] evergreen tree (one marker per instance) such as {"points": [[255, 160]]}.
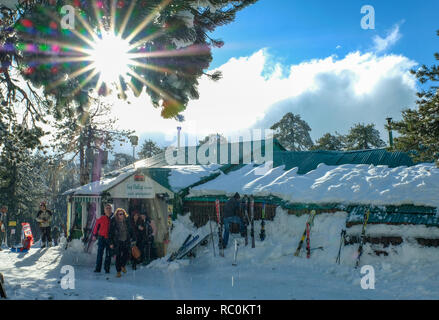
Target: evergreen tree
{"points": [[362, 137], [120, 160], [293, 133], [329, 142], [213, 137], [88, 134], [419, 127], [169, 39], [149, 148]]}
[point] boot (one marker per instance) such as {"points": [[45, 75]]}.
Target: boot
{"points": [[124, 270], [118, 275]]}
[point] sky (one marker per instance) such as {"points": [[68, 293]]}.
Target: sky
{"points": [[311, 58]]}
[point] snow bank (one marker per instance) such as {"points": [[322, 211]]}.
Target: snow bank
{"points": [[349, 183]]}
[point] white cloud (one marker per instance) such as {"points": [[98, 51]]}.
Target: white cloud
{"points": [[331, 94], [392, 37]]}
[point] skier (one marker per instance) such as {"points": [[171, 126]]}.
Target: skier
{"points": [[100, 232], [232, 210], [121, 238], [44, 217], [3, 213]]}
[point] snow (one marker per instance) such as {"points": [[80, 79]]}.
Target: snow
{"points": [[269, 271], [349, 183], [186, 175]]}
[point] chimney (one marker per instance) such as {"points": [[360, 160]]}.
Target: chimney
{"points": [[389, 122], [178, 137]]}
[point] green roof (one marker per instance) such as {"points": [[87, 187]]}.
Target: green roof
{"points": [[307, 161]]}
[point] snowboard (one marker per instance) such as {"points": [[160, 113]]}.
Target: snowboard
{"points": [[192, 245]]}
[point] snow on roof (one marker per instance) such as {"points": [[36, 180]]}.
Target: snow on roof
{"points": [[174, 178], [348, 183]]}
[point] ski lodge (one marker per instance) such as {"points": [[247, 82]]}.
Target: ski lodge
{"points": [[394, 189]]}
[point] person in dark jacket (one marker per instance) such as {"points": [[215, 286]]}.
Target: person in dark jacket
{"points": [[101, 232], [44, 218], [232, 210], [121, 237], [136, 225], [147, 239]]}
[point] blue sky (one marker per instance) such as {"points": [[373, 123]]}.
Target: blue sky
{"points": [[298, 30], [307, 57]]}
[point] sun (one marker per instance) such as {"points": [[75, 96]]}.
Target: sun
{"points": [[110, 57]]}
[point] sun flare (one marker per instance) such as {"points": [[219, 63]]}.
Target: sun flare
{"points": [[110, 57]]}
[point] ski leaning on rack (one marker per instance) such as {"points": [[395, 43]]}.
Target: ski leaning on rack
{"points": [[262, 234], [246, 218], [342, 241], [363, 238], [176, 253], [220, 228], [302, 239], [252, 216]]}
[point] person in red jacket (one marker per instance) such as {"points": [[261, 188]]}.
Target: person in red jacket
{"points": [[100, 232]]}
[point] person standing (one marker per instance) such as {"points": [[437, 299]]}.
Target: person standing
{"points": [[3, 214], [121, 236], [101, 232], [232, 210], [44, 218], [135, 224]]}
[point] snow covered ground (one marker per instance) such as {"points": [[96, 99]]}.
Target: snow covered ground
{"points": [[269, 271]]}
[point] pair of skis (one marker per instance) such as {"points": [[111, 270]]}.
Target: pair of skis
{"points": [[362, 240], [306, 234], [250, 218], [220, 228], [183, 247]]}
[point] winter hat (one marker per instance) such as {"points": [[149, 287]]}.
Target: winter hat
{"points": [[43, 203], [237, 196]]}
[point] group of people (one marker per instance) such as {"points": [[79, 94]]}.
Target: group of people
{"points": [[122, 235], [44, 219]]}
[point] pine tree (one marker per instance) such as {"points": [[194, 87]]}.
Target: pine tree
{"points": [[329, 142], [419, 127], [213, 137], [87, 134], [149, 148], [363, 137], [293, 133], [170, 39]]}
